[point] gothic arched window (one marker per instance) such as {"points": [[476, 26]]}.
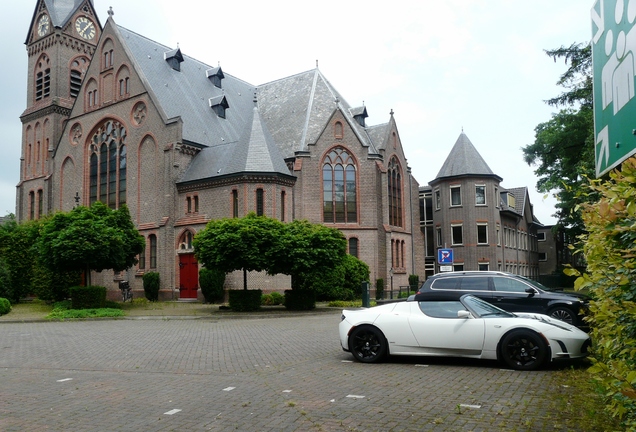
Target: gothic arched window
{"points": [[394, 174], [339, 187], [108, 165]]}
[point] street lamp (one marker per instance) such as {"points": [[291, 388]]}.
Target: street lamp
{"points": [[391, 276]]}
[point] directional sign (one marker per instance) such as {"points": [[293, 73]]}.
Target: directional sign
{"points": [[614, 66], [445, 256]]}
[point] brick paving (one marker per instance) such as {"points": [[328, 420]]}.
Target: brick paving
{"points": [[273, 374]]}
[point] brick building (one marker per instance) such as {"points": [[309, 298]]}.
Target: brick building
{"points": [[115, 117], [466, 209]]}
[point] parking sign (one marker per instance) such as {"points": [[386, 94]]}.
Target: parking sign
{"points": [[445, 256]]}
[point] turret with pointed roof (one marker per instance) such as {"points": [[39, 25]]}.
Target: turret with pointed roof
{"points": [[463, 160]]}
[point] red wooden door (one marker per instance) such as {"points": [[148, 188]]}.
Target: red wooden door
{"points": [[188, 276]]}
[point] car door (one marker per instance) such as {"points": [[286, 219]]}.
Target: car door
{"points": [[439, 331], [510, 294]]}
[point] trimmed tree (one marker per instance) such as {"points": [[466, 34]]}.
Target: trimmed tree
{"points": [[238, 244], [90, 238]]}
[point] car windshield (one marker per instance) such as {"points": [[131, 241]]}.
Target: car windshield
{"points": [[536, 284], [482, 308]]}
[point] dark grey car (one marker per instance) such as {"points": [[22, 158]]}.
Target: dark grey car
{"points": [[512, 293]]}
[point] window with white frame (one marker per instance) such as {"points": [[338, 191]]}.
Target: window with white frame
{"points": [[480, 195], [456, 195], [457, 234], [482, 233], [438, 200]]}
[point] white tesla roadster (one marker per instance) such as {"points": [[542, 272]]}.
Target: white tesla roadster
{"points": [[455, 325]]}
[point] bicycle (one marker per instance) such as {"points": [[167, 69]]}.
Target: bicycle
{"points": [[126, 291]]}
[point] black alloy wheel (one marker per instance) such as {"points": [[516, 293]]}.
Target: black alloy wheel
{"points": [[523, 350], [367, 344], [564, 314]]}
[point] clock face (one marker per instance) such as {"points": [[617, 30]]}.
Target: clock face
{"points": [[43, 25], [85, 28]]}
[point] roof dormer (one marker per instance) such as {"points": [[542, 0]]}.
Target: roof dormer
{"points": [[360, 114], [174, 58], [215, 75], [219, 105]]}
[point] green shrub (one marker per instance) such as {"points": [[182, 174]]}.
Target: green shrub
{"points": [[414, 282], [273, 299], [379, 289], [299, 299], [151, 285], [53, 286], [211, 282], [609, 248], [245, 300], [88, 297], [343, 282], [5, 306], [5, 280]]}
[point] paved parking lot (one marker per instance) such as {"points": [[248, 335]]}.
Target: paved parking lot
{"points": [[273, 374]]}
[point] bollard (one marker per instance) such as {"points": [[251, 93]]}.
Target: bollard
{"points": [[365, 295]]}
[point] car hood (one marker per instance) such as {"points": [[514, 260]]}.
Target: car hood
{"points": [[561, 295], [547, 320]]}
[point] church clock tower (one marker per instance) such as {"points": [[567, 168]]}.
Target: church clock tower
{"points": [[60, 44]]}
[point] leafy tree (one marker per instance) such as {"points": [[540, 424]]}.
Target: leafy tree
{"points": [[17, 249], [610, 250], [563, 151], [307, 248], [238, 244], [90, 238], [258, 243]]}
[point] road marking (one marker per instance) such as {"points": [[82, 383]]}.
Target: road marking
{"points": [[470, 406], [419, 365], [65, 379], [355, 396], [171, 412], [286, 391], [229, 388]]}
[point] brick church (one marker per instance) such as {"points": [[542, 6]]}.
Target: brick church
{"points": [[113, 116]]}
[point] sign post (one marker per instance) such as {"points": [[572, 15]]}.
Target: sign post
{"points": [[614, 69], [445, 260]]}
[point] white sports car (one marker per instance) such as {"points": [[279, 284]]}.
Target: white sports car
{"points": [[455, 325]]}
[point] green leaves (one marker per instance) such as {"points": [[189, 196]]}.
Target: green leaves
{"points": [[95, 238], [258, 243], [610, 251], [563, 150]]}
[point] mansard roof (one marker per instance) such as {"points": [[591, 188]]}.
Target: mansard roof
{"points": [[465, 160]]}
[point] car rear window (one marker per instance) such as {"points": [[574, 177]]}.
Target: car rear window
{"points": [[450, 283], [474, 284]]}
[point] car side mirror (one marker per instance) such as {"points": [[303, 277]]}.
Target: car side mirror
{"points": [[531, 291], [463, 314]]}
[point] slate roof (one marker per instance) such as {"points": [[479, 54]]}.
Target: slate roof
{"points": [[186, 93], [463, 160], [296, 110], [255, 152], [292, 112]]}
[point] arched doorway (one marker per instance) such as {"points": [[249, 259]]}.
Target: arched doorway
{"points": [[188, 268]]}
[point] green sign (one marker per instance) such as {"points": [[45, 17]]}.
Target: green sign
{"points": [[614, 64]]}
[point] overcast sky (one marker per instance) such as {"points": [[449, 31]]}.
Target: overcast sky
{"points": [[441, 66]]}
